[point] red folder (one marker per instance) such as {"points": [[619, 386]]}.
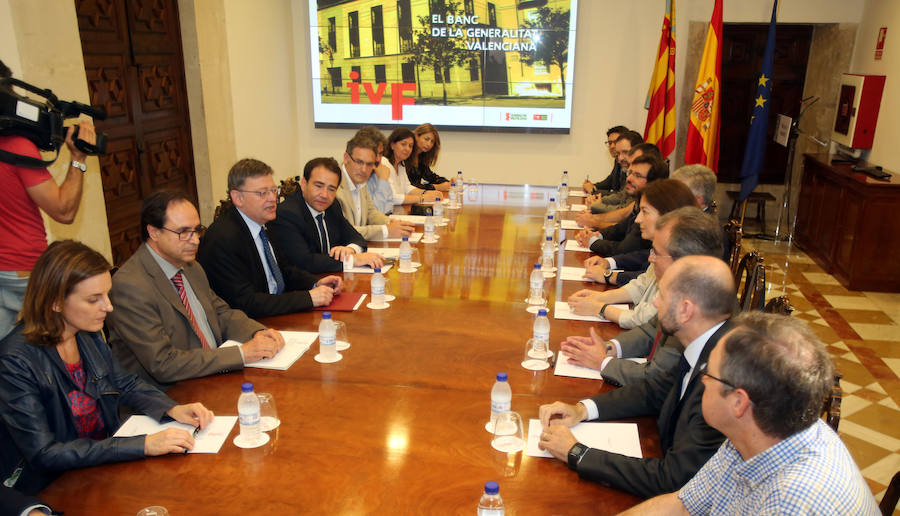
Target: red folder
{"points": [[345, 302]]}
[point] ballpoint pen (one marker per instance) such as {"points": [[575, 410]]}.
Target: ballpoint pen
{"points": [[196, 432]]}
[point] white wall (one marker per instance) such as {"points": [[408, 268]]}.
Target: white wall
{"points": [[882, 13]]}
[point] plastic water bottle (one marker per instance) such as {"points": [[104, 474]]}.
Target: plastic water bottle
{"points": [[563, 196], [327, 336], [491, 504], [541, 329], [459, 182], [405, 255], [248, 413], [551, 208], [438, 210], [547, 252], [549, 226], [429, 228], [378, 287], [536, 285], [501, 397], [452, 195], [565, 177]]}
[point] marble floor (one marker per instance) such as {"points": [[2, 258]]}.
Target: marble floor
{"points": [[861, 330]]}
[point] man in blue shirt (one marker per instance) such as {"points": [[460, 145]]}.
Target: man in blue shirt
{"points": [[765, 383]]}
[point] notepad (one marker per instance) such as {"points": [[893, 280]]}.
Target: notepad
{"points": [[619, 438], [561, 310], [566, 368], [365, 269], [345, 302], [569, 224], [577, 193], [573, 274], [415, 237], [295, 345], [208, 440], [417, 219], [573, 245], [577, 207]]}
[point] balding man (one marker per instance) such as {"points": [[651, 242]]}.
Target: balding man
{"points": [[694, 304], [765, 383]]}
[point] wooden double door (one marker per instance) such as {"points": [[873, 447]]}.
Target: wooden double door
{"points": [[135, 71]]}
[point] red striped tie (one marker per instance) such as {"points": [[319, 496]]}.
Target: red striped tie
{"points": [[655, 345], [179, 285]]}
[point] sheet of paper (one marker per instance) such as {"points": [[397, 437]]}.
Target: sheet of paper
{"points": [[365, 269], [573, 274], [358, 303], [577, 193], [569, 224], [564, 368], [561, 310], [415, 237], [417, 219], [620, 438], [387, 252], [209, 440], [577, 207], [295, 345], [573, 245]]}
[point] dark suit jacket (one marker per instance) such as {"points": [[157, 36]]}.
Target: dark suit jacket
{"points": [[149, 330], [13, 502], [614, 182], [230, 258], [621, 238], [685, 438], [633, 264], [423, 177], [294, 232], [638, 342]]}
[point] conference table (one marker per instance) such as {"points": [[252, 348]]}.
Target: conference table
{"points": [[396, 426]]}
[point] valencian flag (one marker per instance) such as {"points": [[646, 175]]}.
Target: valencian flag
{"points": [[703, 129], [755, 152], [660, 128]]}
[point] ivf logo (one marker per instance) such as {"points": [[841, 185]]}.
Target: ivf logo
{"points": [[397, 98]]}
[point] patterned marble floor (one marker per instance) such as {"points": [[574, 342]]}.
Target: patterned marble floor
{"points": [[861, 330]]}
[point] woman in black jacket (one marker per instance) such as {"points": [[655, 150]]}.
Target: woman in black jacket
{"points": [[60, 389], [428, 146]]}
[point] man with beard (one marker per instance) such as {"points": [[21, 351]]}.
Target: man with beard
{"points": [[695, 300]]}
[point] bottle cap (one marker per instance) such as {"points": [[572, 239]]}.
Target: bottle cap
{"points": [[549, 238], [406, 239], [542, 311], [501, 377], [491, 488], [537, 266], [247, 387], [377, 269], [552, 198], [326, 315]]}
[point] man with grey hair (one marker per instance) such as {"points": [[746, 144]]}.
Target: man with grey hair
{"points": [[765, 383], [695, 302], [679, 233], [702, 182]]}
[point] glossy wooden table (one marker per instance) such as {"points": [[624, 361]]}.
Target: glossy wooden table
{"points": [[397, 426]]}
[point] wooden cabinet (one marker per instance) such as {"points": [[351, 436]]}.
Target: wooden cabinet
{"points": [[849, 223]]}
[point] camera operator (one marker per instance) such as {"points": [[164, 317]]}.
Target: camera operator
{"points": [[26, 191]]}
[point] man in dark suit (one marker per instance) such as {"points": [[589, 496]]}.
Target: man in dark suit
{"points": [[615, 181], [311, 230], [15, 503], [168, 324], [694, 304], [241, 263]]}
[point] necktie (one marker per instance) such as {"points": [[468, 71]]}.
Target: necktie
{"points": [[179, 286], [655, 345], [323, 236], [683, 367], [270, 260]]}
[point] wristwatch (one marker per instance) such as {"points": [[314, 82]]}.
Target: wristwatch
{"points": [[606, 275], [603, 309], [79, 165], [576, 453]]}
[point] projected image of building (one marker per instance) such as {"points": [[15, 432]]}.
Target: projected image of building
{"points": [[459, 52]]}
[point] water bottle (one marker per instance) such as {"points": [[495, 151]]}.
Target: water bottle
{"points": [[549, 227], [327, 336], [541, 330], [405, 255], [491, 504], [248, 414], [536, 285], [438, 210], [429, 228], [452, 195], [565, 177], [501, 397], [547, 252], [459, 182], [563, 196], [378, 287], [551, 208]]}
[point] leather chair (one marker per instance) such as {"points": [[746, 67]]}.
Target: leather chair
{"points": [[751, 280], [832, 408], [733, 236]]}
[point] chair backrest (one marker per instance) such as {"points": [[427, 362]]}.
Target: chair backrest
{"points": [[733, 236], [889, 502], [832, 408], [779, 305], [751, 274], [289, 186], [224, 204]]}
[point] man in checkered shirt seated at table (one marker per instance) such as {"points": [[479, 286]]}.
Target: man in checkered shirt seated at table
{"points": [[765, 383]]}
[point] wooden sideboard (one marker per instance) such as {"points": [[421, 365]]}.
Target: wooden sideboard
{"points": [[849, 223]]}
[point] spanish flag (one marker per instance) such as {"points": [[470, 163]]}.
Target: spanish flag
{"points": [[660, 128], [703, 129]]}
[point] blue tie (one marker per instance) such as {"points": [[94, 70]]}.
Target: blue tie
{"points": [[323, 236], [270, 260]]}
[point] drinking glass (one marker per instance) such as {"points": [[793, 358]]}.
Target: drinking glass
{"points": [[509, 433], [268, 414], [340, 333]]}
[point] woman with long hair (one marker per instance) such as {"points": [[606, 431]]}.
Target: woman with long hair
{"points": [[428, 146], [401, 153], [61, 389]]}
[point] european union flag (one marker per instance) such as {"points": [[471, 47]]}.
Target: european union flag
{"points": [[755, 152]]}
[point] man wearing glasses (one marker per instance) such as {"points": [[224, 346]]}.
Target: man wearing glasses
{"points": [[360, 160], [243, 266], [168, 324], [695, 300], [765, 383]]}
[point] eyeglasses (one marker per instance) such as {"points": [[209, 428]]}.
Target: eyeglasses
{"points": [[262, 194], [654, 252], [186, 234], [716, 378], [636, 175], [370, 164]]}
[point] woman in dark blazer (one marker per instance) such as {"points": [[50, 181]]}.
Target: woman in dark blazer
{"points": [[60, 388]]}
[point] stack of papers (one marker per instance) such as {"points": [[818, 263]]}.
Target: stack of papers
{"points": [[413, 238], [569, 224], [577, 193], [561, 310], [577, 207], [417, 219], [295, 345], [573, 274], [612, 437], [365, 269], [209, 440], [573, 245], [564, 368]]}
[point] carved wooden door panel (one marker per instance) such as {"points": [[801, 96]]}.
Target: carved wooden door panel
{"points": [[135, 71]]}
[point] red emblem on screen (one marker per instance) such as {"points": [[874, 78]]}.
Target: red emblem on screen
{"points": [[397, 98]]}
